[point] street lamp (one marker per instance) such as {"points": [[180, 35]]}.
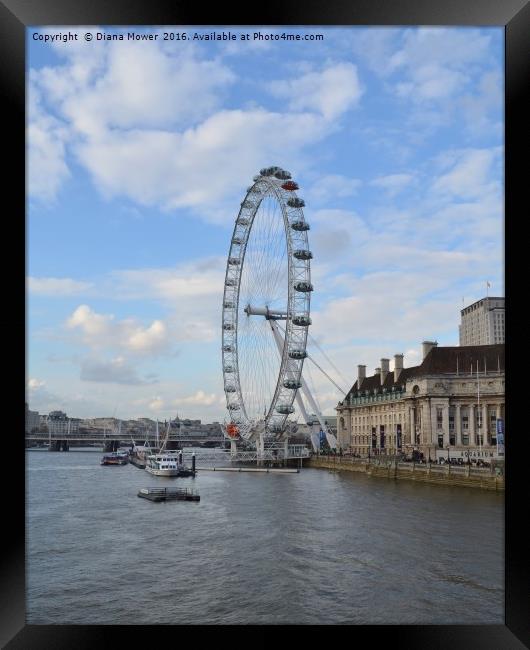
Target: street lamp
{"points": [[448, 453]]}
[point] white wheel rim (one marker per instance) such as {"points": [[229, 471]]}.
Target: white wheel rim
{"points": [[263, 271]]}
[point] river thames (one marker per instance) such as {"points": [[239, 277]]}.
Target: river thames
{"points": [[316, 547]]}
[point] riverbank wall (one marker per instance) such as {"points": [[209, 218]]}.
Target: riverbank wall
{"points": [[450, 475]]}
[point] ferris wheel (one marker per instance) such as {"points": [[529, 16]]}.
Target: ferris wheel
{"points": [[267, 282]]}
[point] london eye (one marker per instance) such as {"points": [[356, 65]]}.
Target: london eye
{"points": [[266, 308]]}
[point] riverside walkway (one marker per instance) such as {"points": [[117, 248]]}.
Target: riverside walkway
{"points": [[451, 475]]}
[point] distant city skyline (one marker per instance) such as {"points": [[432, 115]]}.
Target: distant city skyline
{"points": [[139, 154]]}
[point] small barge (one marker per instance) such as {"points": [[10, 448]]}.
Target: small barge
{"points": [[114, 458], [137, 462], [169, 494]]}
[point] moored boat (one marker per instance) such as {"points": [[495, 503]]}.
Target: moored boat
{"points": [[168, 463], [114, 458], [164, 463]]}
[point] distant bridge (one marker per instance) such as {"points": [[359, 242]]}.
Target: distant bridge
{"points": [[111, 441]]}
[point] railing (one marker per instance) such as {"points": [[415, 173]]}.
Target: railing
{"points": [[378, 397], [103, 437], [170, 490], [494, 470], [272, 454]]}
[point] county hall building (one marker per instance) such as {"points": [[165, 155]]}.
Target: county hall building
{"points": [[451, 405]]}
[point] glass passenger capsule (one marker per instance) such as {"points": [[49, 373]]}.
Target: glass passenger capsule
{"points": [[295, 202], [302, 254], [269, 171], [303, 321], [297, 354], [303, 286], [283, 175], [285, 409], [300, 225], [292, 383]]}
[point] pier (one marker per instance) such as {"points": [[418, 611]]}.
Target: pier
{"points": [[267, 470]]}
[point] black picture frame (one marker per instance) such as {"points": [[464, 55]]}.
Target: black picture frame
{"points": [[15, 16]]}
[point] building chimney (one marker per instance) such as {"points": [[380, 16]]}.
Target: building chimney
{"points": [[398, 366], [427, 346], [377, 371], [385, 367], [361, 376]]}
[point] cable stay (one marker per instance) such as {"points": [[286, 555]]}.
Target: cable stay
{"points": [[341, 390], [329, 361]]}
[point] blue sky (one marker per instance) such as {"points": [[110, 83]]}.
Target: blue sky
{"points": [[140, 153]]}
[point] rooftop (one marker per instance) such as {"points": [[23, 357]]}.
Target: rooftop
{"points": [[441, 361]]}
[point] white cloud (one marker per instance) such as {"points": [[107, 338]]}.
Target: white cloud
{"points": [[101, 331], [448, 48], [202, 277], [57, 286], [146, 125], [393, 183], [97, 328], [157, 404], [135, 85], [201, 166], [330, 92], [332, 186], [469, 176], [35, 384], [199, 398], [115, 371], [47, 138], [191, 291], [150, 339]]}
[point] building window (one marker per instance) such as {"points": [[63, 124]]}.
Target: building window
{"points": [[439, 418]]}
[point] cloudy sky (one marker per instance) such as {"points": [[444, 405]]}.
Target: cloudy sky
{"points": [[139, 154]]}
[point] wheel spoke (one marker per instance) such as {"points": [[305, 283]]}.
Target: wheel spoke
{"points": [[261, 272]]}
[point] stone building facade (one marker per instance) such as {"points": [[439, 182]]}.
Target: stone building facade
{"points": [[451, 405]]}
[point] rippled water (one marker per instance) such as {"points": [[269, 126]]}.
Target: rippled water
{"points": [[315, 547]]}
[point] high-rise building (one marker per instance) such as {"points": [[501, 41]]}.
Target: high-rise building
{"points": [[58, 423], [32, 420], [483, 322]]}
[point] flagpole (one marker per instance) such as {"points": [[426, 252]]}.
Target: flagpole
{"points": [[479, 418]]}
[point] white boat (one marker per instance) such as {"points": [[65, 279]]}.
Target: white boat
{"points": [[165, 463]]}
